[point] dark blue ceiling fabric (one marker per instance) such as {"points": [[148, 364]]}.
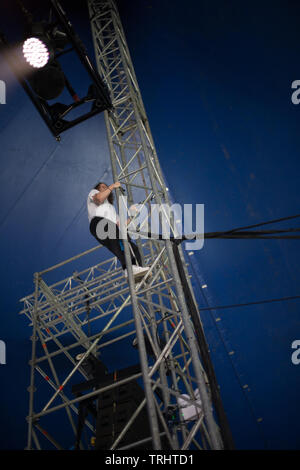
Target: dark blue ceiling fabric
{"points": [[216, 82]]}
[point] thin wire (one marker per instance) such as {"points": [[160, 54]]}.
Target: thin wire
{"points": [[254, 234], [80, 211], [36, 174], [251, 303]]}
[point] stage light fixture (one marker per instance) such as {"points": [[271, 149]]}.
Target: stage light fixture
{"points": [[41, 43], [42, 75], [35, 52]]}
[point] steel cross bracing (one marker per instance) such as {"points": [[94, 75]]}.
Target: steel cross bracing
{"points": [[61, 328], [98, 310]]}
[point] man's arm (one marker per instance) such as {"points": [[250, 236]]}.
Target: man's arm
{"points": [[100, 197]]}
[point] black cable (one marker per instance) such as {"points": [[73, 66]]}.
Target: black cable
{"points": [[236, 233], [254, 234], [263, 223], [262, 232]]}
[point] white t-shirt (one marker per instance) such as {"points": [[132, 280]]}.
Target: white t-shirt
{"points": [[105, 209]]}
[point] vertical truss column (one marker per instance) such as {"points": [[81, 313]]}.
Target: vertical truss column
{"points": [[135, 163]]}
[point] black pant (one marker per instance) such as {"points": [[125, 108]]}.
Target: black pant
{"points": [[115, 245]]}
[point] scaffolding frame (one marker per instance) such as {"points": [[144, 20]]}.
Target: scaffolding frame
{"points": [[61, 314]]}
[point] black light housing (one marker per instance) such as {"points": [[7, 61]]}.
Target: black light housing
{"points": [[48, 82]]}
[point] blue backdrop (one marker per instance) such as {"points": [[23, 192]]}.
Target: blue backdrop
{"points": [[216, 81]]}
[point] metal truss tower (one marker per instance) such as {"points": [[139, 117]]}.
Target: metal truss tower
{"points": [[98, 313]]}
